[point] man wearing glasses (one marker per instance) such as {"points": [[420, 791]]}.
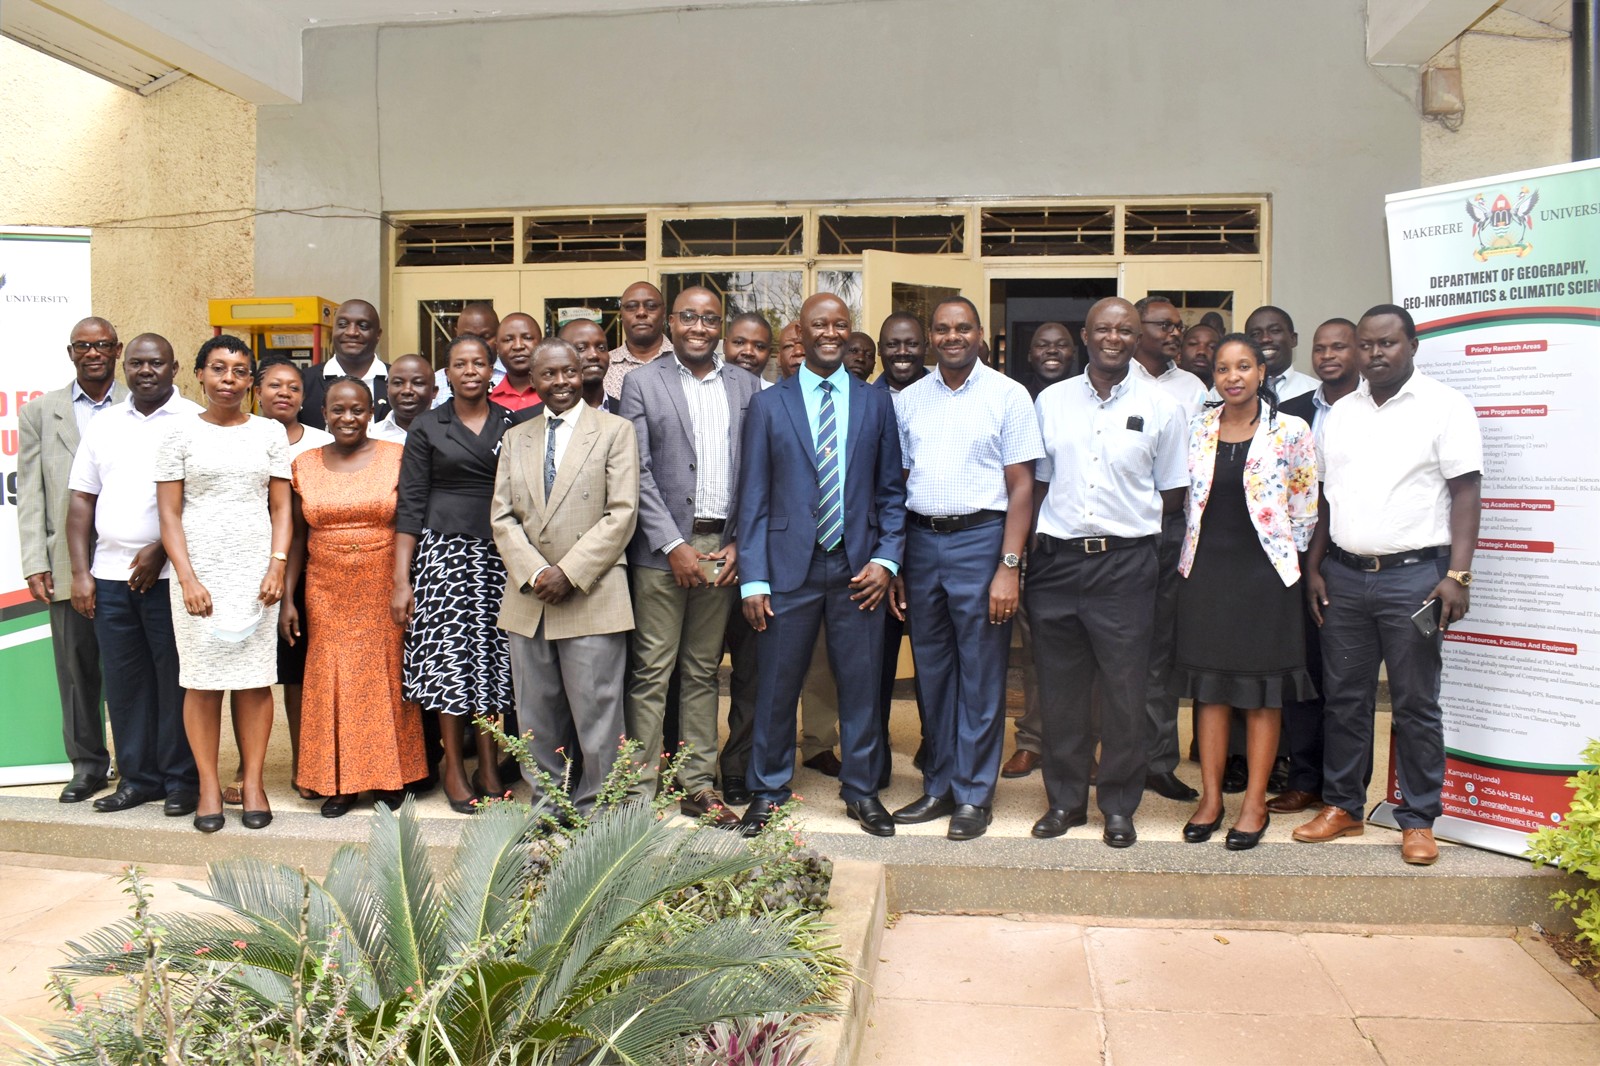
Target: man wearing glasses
{"points": [[48, 431], [1155, 361], [644, 314], [688, 412]]}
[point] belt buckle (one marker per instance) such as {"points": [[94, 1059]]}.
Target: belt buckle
{"points": [[1089, 545], [1376, 561], [941, 524]]}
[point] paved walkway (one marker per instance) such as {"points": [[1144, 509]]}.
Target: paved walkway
{"points": [[976, 990]]}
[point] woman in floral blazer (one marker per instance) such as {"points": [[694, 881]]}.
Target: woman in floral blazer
{"points": [[1252, 506]]}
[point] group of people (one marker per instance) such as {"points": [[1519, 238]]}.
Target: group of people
{"points": [[571, 538]]}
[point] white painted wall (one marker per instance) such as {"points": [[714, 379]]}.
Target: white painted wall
{"points": [[892, 99]]}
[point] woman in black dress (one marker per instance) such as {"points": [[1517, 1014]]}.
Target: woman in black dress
{"points": [[1252, 506], [448, 578]]}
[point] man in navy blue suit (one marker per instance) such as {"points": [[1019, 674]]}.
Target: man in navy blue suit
{"points": [[821, 534]]}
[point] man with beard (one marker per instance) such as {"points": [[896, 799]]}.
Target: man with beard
{"points": [[513, 344], [968, 438], [112, 520], [644, 316], [1273, 329], [410, 393], [859, 355], [1200, 351], [594, 359], [1115, 461], [356, 331]]}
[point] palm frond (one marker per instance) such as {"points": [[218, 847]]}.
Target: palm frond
{"points": [[401, 876], [487, 879]]}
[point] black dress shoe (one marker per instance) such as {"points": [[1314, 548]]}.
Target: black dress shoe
{"points": [[920, 758], [825, 762], [925, 809], [1170, 786], [1278, 781], [1241, 841], [1200, 832], [1235, 775], [256, 819], [1057, 821], [873, 816], [338, 806], [124, 798], [209, 823], [390, 798], [969, 821], [180, 803], [1119, 831], [735, 793], [756, 817], [81, 787]]}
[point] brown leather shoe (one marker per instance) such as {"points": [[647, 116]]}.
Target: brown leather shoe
{"points": [[708, 802], [1021, 764], [1293, 801], [1330, 823], [1418, 848]]}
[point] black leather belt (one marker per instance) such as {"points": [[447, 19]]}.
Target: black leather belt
{"points": [[1049, 545], [1371, 564], [954, 523], [709, 525]]}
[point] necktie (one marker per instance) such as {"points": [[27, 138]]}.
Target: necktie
{"points": [[550, 455], [830, 515]]}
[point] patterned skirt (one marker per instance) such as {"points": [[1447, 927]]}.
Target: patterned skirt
{"points": [[457, 661]]}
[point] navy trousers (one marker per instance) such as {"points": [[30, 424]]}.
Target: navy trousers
{"points": [[143, 697], [855, 652], [960, 658]]}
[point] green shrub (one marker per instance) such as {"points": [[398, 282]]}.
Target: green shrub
{"points": [[1574, 846]]}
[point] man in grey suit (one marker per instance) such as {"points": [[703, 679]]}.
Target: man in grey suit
{"points": [[48, 431], [688, 411]]}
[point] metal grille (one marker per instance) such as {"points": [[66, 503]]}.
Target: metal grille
{"points": [[458, 242], [687, 237], [923, 234], [1210, 229], [585, 239], [1049, 231]]}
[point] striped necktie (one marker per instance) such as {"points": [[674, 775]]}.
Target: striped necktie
{"points": [[550, 455], [830, 515]]}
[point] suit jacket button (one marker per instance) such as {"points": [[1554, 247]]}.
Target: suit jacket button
{"points": [[691, 466]]}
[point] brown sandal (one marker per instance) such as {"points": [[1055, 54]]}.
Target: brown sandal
{"points": [[233, 796]]}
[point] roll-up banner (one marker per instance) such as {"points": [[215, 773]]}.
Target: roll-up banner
{"points": [[1503, 278], [44, 291]]}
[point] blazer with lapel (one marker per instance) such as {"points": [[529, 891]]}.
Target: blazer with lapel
{"points": [[447, 474], [779, 496], [652, 399], [47, 439], [584, 527]]}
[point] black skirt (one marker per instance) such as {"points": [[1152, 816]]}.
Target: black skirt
{"points": [[1240, 632]]}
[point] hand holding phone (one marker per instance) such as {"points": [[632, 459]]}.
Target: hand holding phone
{"points": [[1426, 618]]}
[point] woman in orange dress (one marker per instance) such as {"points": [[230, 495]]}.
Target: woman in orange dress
{"points": [[357, 734]]}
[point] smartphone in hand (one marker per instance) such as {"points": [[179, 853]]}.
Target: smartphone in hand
{"points": [[711, 569], [1426, 619]]}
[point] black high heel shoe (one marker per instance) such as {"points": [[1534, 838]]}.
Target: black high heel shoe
{"points": [[256, 819], [210, 823], [1198, 832], [1241, 841]]}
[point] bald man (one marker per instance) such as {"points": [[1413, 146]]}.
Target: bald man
{"points": [[356, 332], [644, 315]]}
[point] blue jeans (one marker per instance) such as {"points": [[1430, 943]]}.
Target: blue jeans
{"points": [[143, 697]]}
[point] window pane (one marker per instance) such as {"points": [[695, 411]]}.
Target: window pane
{"points": [[1199, 230], [457, 242], [585, 239], [777, 294], [846, 285], [1049, 231], [924, 234], [436, 326], [685, 237], [605, 310]]}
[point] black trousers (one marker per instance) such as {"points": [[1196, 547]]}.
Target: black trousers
{"points": [[143, 697]]}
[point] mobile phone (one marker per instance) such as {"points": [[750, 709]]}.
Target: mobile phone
{"points": [[1427, 618], [711, 569]]}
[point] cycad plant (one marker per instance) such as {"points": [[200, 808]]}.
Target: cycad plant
{"points": [[520, 951]]}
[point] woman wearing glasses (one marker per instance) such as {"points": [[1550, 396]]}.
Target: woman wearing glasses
{"points": [[448, 578], [223, 498]]}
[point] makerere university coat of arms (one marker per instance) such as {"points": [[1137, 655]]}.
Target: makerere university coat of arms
{"points": [[1502, 228]]}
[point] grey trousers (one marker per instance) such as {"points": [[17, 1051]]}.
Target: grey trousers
{"points": [[77, 653], [570, 687], [682, 627]]}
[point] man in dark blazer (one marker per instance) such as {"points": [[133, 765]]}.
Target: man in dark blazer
{"points": [[822, 516], [687, 408], [48, 431], [356, 331]]}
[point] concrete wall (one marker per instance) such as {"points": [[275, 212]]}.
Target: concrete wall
{"points": [[79, 151], [895, 98], [1516, 78]]}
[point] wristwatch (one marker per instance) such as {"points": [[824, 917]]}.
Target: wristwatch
{"points": [[1464, 577], [1010, 560]]}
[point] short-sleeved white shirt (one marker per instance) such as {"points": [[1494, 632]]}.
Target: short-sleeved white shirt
{"points": [[116, 462], [1384, 468], [1108, 460], [1176, 384], [958, 444]]}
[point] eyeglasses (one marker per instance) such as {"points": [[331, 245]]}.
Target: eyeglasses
{"points": [[689, 318], [81, 347], [1165, 327]]}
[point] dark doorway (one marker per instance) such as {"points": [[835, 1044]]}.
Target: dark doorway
{"points": [[1018, 306]]}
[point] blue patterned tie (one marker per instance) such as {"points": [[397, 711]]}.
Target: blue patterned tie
{"points": [[830, 515], [550, 456]]}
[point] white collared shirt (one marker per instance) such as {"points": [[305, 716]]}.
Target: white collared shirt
{"points": [[957, 444], [707, 398], [569, 422], [1108, 461], [1384, 468], [387, 429], [85, 407], [1292, 383], [116, 461], [331, 368], [1177, 384]]}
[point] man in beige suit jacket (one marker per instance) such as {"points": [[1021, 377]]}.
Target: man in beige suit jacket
{"points": [[48, 431], [566, 497]]}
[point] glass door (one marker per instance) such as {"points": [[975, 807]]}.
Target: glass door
{"points": [[556, 297], [896, 281], [1232, 290], [423, 305]]}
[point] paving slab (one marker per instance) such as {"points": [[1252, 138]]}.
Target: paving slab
{"points": [[1161, 1038], [1210, 971], [1001, 963], [919, 1033], [1431, 1042]]}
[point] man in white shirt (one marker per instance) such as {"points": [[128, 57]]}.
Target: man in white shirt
{"points": [[1115, 461], [1273, 329], [1401, 462], [411, 392], [112, 519], [356, 332]]}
